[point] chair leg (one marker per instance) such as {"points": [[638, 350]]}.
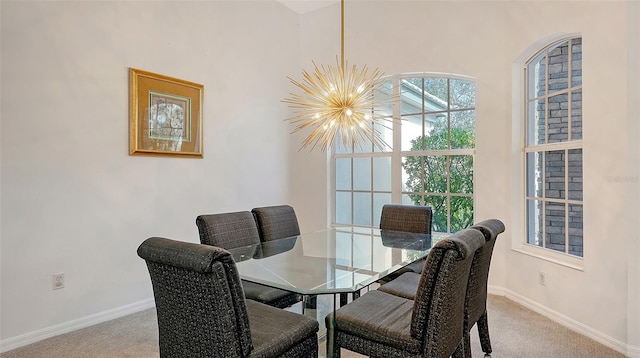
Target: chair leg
{"points": [[467, 344], [483, 332]]}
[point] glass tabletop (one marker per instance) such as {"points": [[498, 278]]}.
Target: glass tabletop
{"points": [[337, 260]]}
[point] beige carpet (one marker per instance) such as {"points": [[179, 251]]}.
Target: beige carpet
{"points": [[516, 332]]}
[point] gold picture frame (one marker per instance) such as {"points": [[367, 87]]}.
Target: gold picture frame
{"points": [[165, 115]]}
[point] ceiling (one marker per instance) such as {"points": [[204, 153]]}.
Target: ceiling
{"points": [[304, 6]]}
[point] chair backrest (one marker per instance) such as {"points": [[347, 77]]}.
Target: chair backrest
{"points": [[276, 222], [199, 299], [408, 218], [477, 288], [438, 310], [228, 230]]}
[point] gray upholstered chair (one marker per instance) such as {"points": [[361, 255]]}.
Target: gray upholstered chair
{"points": [[380, 324], [405, 286], [408, 218], [276, 222], [202, 311], [237, 229], [476, 302]]}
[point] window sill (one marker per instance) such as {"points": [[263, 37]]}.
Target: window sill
{"points": [[571, 262]]}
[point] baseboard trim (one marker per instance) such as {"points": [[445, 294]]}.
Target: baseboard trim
{"points": [[617, 345], [83, 322]]}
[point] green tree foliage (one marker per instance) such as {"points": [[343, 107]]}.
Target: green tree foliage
{"points": [[437, 175]]}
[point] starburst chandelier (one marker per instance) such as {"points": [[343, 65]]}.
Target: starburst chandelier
{"points": [[337, 104]]}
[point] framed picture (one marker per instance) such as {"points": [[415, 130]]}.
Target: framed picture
{"points": [[165, 115]]}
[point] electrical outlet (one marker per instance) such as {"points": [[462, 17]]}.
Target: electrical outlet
{"points": [[58, 280], [542, 279]]}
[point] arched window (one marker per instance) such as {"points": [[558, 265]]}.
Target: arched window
{"points": [[429, 160], [553, 148]]}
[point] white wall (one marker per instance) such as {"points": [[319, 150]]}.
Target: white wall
{"points": [[581, 295], [482, 39], [633, 242], [73, 200], [319, 36]]}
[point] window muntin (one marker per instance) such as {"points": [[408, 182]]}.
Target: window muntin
{"points": [[553, 148], [430, 159], [444, 182]]}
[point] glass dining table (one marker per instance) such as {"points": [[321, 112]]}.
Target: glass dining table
{"points": [[336, 261]]}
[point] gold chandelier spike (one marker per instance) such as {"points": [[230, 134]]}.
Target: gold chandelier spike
{"points": [[338, 104]]}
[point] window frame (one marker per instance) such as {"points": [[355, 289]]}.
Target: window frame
{"points": [[396, 155], [520, 149]]}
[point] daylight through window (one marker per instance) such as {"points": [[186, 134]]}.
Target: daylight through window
{"points": [[431, 137], [553, 148]]}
